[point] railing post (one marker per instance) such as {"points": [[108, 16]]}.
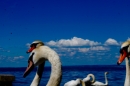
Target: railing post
{"points": [[6, 79]]}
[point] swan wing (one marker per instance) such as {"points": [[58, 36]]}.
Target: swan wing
{"points": [[97, 83], [71, 83]]}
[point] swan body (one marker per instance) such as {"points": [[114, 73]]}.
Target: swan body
{"points": [[88, 80], [97, 83], [125, 54], [39, 53], [76, 82]]}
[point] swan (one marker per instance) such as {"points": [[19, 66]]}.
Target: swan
{"points": [[97, 83], [76, 82], [88, 80], [39, 53], [125, 54]]}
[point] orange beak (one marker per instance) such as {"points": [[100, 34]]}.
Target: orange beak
{"points": [[31, 49], [122, 57], [29, 68]]}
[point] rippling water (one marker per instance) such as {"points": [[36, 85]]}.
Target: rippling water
{"points": [[116, 74]]}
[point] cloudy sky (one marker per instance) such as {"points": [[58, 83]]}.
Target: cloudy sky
{"points": [[87, 32]]}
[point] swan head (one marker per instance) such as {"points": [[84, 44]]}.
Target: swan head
{"points": [[34, 45], [124, 51], [33, 60], [92, 78], [89, 79]]}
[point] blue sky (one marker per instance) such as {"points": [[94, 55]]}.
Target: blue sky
{"points": [[87, 32]]}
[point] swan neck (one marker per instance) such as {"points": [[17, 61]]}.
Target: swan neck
{"points": [[127, 79], [56, 73], [38, 75], [93, 78], [106, 81]]}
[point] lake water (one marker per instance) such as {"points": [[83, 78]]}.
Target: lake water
{"points": [[116, 76]]}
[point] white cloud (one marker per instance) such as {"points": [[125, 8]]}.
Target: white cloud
{"points": [[28, 45], [64, 49], [76, 46], [97, 48], [72, 53], [111, 41], [18, 57], [128, 38], [75, 41], [84, 50]]}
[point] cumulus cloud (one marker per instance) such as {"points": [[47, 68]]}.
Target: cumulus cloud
{"points": [[83, 50], [97, 48], [75, 41], [64, 51], [75, 46], [94, 48], [111, 41]]}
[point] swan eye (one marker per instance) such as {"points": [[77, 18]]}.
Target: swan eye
{"points": [[33, 45], [123, 49]]}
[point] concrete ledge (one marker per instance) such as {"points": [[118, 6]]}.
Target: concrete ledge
{"points": [[6, 79]]}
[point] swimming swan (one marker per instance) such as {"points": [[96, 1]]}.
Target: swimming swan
{"points": [[97, 83], [39, 53], [89, 79], [125, 54], [76, 82]]}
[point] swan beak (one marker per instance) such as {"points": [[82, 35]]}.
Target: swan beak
{"points": [[122, 57], [30, 50], [29, 68]]}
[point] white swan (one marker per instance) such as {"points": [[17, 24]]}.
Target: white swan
{"points": [[39, 53], [125, 54], [76, 82], [97, 83], [89, 79]]}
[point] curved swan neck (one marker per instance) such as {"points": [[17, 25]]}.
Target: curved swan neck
{"points": [[38, 75], [93, 78], [127, 65], [106, 81], [56, 73], [127, 79]]}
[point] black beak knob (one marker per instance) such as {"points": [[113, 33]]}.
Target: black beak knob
{"points": [[118, 63]]}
